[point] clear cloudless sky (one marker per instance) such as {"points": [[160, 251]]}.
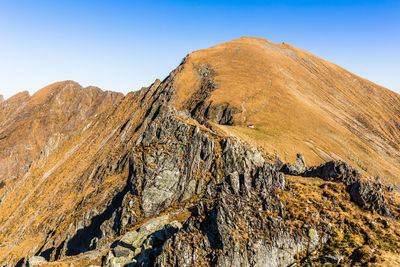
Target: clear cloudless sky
{"points": [[124, 45]]}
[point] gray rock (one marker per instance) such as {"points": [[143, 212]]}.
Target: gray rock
{"points": [[298, 168], [36, 261], [300, 163], [234, 182], [278, 164], [332, 258], [135, 239], [255, 157], [137, 247], [120, 251], [314, 237], [159, 190]]}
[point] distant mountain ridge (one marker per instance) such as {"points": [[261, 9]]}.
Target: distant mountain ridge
{"points": [[27, 122]]}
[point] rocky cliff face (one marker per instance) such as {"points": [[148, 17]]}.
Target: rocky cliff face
{"points": [[156, 179], [236, 216]]}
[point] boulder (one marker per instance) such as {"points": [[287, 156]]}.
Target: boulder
{"points": [[135, 239], [36, 261], [140, 245], [332, 258], [297, 169]]}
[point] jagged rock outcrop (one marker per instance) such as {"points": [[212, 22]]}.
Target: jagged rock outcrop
{"points": [[366, 194], [237, 230], [201, 107], [298, 168], [338, 171], [239, 219], [369, 195]]}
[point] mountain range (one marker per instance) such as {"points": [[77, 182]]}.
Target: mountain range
{"points": [[172, 174]]}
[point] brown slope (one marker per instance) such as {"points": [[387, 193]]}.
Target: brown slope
{"points": [[27, 122], [298, 102], [12, 106]]}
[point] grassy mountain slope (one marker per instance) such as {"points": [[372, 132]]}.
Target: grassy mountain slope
{"points": [[298, 103]]}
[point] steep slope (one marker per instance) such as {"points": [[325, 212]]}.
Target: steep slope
{"points": [[162, 177], [27, 123]]}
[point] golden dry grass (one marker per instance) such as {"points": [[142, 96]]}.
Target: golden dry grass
{"points": [[313, 201]]}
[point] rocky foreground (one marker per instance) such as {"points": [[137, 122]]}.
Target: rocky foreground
{"points": [[245, 215]]}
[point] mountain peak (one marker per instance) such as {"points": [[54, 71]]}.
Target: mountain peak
{"points": [[18, 96], [55, 88], [296, 100]]}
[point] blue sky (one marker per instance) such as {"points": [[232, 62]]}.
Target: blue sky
{"points": [[124, 45]]}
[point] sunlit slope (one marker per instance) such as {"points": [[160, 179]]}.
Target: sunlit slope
{"points": [[28, 122], [298, 103]]}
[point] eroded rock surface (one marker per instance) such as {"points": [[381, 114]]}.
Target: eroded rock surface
{"points": [[239, 218]]}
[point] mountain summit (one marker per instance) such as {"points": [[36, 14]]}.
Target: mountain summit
{"points": [[172, 175], [297, 102]]}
